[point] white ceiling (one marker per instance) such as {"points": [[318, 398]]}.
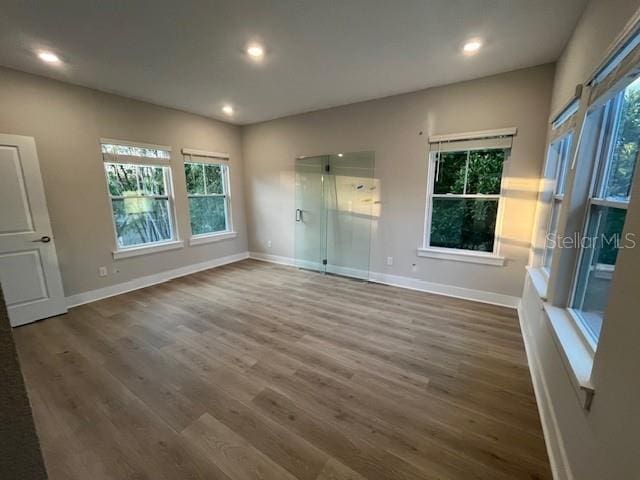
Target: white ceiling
{"points": [[319, 53]]}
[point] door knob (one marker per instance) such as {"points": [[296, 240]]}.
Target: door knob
{"points": [[44, 239]]}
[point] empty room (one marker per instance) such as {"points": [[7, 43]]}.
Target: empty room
{"points": [[319, 240]]}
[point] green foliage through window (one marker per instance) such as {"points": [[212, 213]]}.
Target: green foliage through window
{"points": [[206, 188], [460, 217], [140, 203], [134, 151], [463, 223], [625, 148]]}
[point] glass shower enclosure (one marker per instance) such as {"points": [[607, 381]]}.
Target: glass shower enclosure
{"points": [[335, 198]]}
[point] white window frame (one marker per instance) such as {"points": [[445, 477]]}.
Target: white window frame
{"points": [[202, 157], [559, 178], [599, 175], [472, 256], [174, 242]]}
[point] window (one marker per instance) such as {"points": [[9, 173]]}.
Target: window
{"points": [[464, 199], [615, 163], [557, 166], [140, 194], [208, 192]]}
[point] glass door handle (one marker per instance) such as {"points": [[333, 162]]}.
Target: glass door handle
{"points": [[298, 215]]}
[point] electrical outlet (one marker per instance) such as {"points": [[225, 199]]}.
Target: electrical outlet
{"points": [[389, 260], [102, 271], [268, 243], [414, 267]]}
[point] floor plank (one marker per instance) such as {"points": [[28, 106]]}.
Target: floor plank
{"points": [[254, 370]]}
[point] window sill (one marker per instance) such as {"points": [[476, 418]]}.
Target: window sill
{"points": [[539, 279], [213, 237], [147, 249], [461, 256], [576, 353]]}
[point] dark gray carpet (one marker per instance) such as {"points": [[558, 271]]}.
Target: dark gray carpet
{"points": [[20, 455]]}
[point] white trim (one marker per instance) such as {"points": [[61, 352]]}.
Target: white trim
{"points": [[461, 256], [147, 249], [146, 281], [558, 459], [574, 350], [603, 270], [409, 283], [493, 143], [500, 198], [580, 325], [500, 132], [539, 279], [481, 296], [135, 160], [127, 143], [604, 202], [192, 152], [211, 237], [277, 259], [567, 107], [118, 251]]}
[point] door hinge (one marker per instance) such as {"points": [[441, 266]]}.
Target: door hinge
{"points": [[327, 168], [324, 262]]}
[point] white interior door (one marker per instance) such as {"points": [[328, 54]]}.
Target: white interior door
{"points": [[29, 271]]}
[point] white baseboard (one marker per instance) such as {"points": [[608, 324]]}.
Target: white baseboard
{"points": [[560, 468], [265, 257], [142, 282], [410, 283], [481, 296]]}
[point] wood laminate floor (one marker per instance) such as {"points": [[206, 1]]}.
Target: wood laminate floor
{"points": [[258, 371]]}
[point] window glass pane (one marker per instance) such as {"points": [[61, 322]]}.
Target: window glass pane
{"points": [[126, 179], [598, 258], [485, 171], [141, 220], [450, 173], [194, 174], [625, 147], [463, 223], [563, 167], [121, 178], [553, 159], [550, 241], [151, 180], [134, 151], [208, 215], [213, 177]]}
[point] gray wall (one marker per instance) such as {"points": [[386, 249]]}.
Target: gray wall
{"points": [[391, 126], [602, 443], [67, 122], [601, 22]]}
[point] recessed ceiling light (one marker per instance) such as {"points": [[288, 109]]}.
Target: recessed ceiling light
{"points": [[255, 50], [340, 154], [471, 47], [48, 57], [228, 109]]}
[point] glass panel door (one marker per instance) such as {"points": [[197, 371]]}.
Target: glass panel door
{"points": [[334, 212], [310, 214], [349, 198]]}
